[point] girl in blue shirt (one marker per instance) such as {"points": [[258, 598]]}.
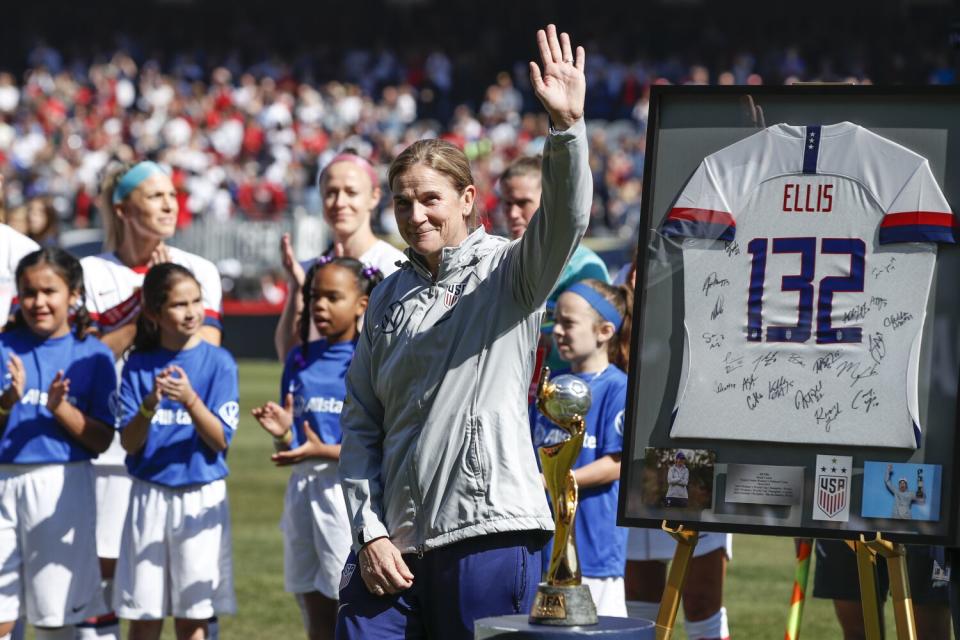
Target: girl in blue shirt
{"points": [[590, 320], [54, 417], [306, 431], [179, 404]]}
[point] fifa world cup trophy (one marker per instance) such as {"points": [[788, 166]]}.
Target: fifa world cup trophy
{"points": [[562, 600]]}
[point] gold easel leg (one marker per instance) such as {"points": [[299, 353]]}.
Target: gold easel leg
{"points": [[869, 600], [670, 603], [896, 555]]}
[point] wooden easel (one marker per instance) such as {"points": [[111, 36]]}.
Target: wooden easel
{"points": [[672, 592], [896, 555]]}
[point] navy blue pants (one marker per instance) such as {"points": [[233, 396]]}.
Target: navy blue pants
{"points": [[452, 587]]}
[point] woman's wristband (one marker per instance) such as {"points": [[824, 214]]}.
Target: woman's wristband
{"points": [[193, 401], [147, 413]]}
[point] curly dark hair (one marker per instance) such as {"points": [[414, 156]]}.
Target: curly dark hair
{"points": [[366, 277]]}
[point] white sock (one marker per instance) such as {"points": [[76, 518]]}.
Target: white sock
{"points": [[61, 633], [713, 628], [213, 628], [643, 610]]}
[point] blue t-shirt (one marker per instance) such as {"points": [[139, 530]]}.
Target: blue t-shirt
{"points": [[33, 435], [601, 544], [174, 454], [318, 388]]}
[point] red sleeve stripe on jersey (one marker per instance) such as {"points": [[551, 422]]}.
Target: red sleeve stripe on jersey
{"points": [[707, 216], [211, 318], [926, 218], [917, 226], [700, 223]]}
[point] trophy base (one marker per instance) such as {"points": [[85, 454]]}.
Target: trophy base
{"points": [[563, 606]]}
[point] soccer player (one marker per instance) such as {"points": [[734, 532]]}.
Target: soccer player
{"points": [[903, 498], [55, 415], [139, 205], [179, 411]]}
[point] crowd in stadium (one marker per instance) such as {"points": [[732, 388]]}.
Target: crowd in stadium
{"points": [[247, 139]]}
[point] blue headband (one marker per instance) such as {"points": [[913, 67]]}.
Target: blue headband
{"points": [[600, 304], [133, 177]]}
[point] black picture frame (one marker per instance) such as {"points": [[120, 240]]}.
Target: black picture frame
{"points": [[699, 102]]}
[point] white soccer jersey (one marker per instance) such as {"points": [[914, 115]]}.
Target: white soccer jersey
{"points": [[113, 289], [804, 323], [113, 300], [13, 246]]}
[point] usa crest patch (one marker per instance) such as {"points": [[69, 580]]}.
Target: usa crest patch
{"points": [[347, 573], [832, 488], [452, 296]]}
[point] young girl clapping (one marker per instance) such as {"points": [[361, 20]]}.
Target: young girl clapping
{"points": [[179, 403], [306, 431], [54, 416]]}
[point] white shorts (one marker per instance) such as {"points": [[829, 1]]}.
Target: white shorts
{"points": [[48, 544], [113, 496], [175, 556], [655, 544], [316, 531], [608, 595]]}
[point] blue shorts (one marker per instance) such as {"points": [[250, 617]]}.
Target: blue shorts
{"points": [[453, 586]]}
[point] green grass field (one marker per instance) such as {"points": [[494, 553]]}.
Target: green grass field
{"points": [[757, 591]]}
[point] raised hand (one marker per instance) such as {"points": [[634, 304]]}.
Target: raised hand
{"points": [[58, 391], [561, 85], [160, 255], [290, 263], [274, 419], [18, 381]]}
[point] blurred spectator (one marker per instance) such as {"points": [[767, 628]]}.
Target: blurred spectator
{"points": [[42, 224], [245, 128]]}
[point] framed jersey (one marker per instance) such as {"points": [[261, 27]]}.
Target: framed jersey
{"points": [[795, 303]]}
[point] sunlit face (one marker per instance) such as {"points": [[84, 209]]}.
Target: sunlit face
{"points": [[150, 211], [520, 197], [348, 198], [181, 314], [430, 213], [337, 303], [576, 328], [45, 300]]}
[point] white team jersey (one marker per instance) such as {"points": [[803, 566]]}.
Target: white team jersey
{"points": [[804, 323], [113, 300], [13, 246]]}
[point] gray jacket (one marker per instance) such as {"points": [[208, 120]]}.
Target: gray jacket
{"points": [[436, 438]]}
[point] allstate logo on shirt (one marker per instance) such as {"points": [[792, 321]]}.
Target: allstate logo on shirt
{"points": [[169, 416], [545, 435], [230, 413], [318, 404], [37, 397]]}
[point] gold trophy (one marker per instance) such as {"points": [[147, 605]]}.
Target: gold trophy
{"points": [[562, 600]]}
